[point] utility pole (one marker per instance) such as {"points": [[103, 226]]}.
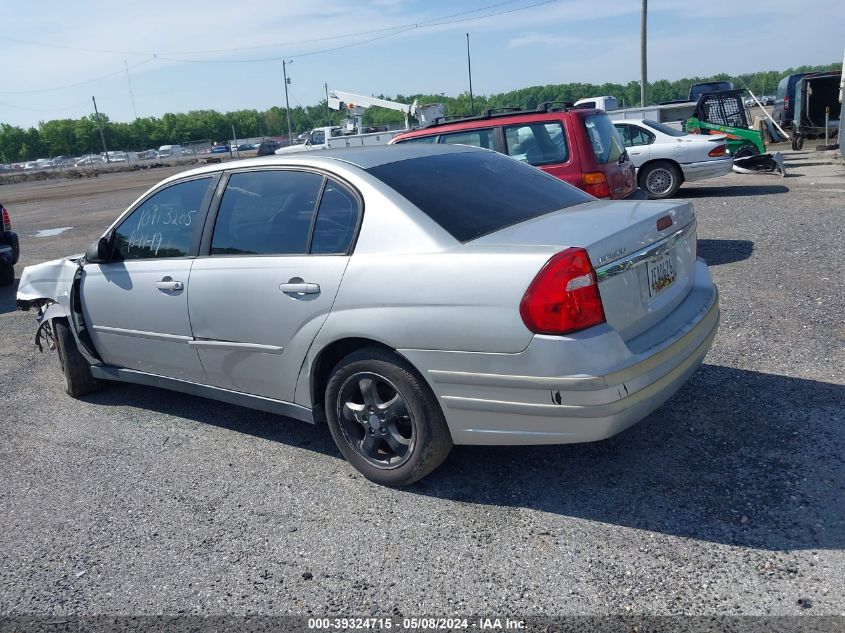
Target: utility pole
{"points": [[99, 127], [328, 115], [469, 70], [643, 64], [131, 94], [287, 103]]}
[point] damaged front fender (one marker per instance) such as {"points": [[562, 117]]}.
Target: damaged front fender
{"points": [[50, 282]]}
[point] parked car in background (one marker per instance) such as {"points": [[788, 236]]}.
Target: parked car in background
{"points": [[221, 149], [267, 147], [506, 307], [784, 105], [170, 151], [88, 161], [10, 249], [696, 90], [665, 157], [577, 145]]}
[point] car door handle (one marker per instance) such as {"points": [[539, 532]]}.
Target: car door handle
{"points": [[300, 288], [167, 283]]}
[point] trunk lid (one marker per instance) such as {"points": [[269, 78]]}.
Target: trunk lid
{"points": [[644, 271]]}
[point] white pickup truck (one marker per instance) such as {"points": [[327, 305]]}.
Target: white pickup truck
{"points": [[333, 137]]}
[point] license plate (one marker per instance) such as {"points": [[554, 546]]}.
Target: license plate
{"points": [[661, 273]]}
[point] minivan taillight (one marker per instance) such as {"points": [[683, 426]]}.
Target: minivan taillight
{"points": [[564, 296], [786, 103], [595, 184], [7, 221]]}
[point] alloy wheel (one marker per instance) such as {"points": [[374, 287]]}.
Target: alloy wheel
{"points": [[376, 420]]}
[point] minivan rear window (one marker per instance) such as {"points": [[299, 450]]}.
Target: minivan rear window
{"points": [[471, 194], [607, 145]]}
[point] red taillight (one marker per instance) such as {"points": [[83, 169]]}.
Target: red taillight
{"points": [[595, 184], [564, 296], [7, 221], [719, 150], [786, 103]]}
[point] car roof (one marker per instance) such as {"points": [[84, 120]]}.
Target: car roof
{"points": [[509, 118], [362, 157]]}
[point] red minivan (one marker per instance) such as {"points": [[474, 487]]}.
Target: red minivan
{"points": [[580, 146]]}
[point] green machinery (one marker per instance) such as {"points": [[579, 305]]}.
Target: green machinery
{"points": [[724, 113]]}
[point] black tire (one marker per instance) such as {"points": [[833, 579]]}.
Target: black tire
{"points": [[76, 370], [660, 179], [415, 418], [746, 150], [799, 143], [7, 274]]}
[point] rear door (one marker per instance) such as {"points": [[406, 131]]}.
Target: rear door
{"points": [[272, 266], [544, 144], [137, 304]]}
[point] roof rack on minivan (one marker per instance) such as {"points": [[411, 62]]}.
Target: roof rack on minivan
{"points": [[546, 106], [550, 106], [487, 114]]}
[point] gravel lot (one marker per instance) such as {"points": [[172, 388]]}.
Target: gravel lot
{"points": [[727, 500]]}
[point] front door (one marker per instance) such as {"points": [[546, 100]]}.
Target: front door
{"points": [[279, 248], [136, 304]]}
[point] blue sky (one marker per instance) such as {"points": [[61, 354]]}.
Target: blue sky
{"points": [[181, 54]]}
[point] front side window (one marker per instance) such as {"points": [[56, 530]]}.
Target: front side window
{"points": [[604, 139], [337, 219], [318, 137], [537, 143], [266, 213], [476, 138], [167, 224]]}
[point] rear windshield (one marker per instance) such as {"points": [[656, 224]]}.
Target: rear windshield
{"points": [[606, 142], [660, 127], [471, 194]]}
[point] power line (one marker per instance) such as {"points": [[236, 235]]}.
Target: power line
{"points": [[400, 27], [16, 107], [420, 25], [79, 83]]}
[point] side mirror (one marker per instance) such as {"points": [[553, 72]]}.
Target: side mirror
{"points": [[98, 252]]}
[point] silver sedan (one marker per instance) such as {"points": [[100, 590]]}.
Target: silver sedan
{"points": [[411, 296]]}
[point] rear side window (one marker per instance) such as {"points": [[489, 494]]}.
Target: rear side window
{"points": [[336, 222], [537, 143], [476, 138], [419, 139], [604, 139], [471, 193], [266, 213], [167, 224]]}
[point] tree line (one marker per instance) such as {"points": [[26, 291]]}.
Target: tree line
{"points": [[75, 137]]}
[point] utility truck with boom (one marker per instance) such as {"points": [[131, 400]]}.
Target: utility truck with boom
{"points": [[349, 134]]}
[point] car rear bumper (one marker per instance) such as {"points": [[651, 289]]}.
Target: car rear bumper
{"points": [[707, 169], [585, 387]]}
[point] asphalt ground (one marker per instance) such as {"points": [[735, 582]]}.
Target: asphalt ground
{"points": [[727, 500]]}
